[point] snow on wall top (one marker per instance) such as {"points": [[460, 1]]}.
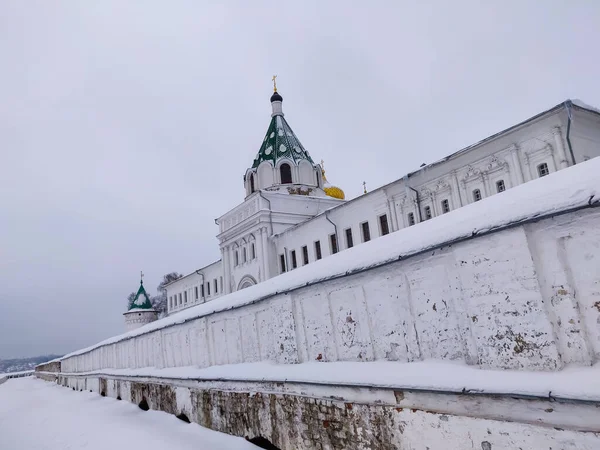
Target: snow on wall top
{"points": [[575, 187]]}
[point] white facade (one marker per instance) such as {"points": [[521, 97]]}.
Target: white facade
{"points": [[282, 226], [135, 318]]}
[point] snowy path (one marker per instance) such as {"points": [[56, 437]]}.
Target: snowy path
{"points": [[36, 415]]}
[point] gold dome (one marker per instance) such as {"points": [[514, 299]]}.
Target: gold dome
{"points": [[331, 191], [335, 192]]}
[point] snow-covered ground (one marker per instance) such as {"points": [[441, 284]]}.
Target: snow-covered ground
{"points": [[36, 415]]}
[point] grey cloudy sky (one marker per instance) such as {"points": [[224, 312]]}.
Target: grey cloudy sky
{"points": [[126, 127]]}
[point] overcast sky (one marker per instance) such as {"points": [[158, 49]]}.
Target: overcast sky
{"points": [[126, 127]]}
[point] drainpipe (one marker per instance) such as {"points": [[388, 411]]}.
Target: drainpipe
{"points": [[337, 242], [568, 106], [270, 211], [418, 200], [201, 274]]}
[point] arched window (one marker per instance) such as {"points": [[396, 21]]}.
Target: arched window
{"points": [[244, 254], [251, 183], [237, 258], [253, 252], [286, 174]]}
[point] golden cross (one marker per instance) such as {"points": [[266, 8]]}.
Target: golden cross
{"points": [[365, 187], [274, 79], [141, 276]]}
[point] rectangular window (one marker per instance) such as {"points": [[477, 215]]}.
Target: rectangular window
{"points": [[411, 219], [185, 297], [171, 302], [282, 263], [476, 195], [318, 250], [543, 170], [366, 233], [333, 243], [294, 263], [216, 286], [383, 223], [221, 283], [500, 186], [427, 212], [196, 292], [180, 302], [237, 258], [349, 240], [305, 255], [202, 290], [208, 288], [445, 206], [253, 251]]}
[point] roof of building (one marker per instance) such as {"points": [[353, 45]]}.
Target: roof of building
{"points": [[141, 300], [280, 141]]}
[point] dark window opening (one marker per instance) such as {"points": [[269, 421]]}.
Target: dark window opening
{"points": [[445, 206], [294, 263], [333, 242], [366, 233], [196, 292], [216, 286], [208, 288], [236, 258], [185, 297], [318, 250], [411, 219], [385, 229], [286, 174], [476, 195], [244, 256], [427, 212], [183, 417], [251, 183], [202, 290], [262, 442], [349, 239], [282, 263], [543, 170], [305, 255], [500, 186], [253, 251]]}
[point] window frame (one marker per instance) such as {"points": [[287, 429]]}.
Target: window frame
{"points": [[366, 237], [411, 219], [333, 244], [498, 184], [318, 251], [282, 263], [305, 259], [381, 225], [445, 206], [428, 212], [543, 167], [281, 173], [349, 237], [294, 260], [476, 195]]}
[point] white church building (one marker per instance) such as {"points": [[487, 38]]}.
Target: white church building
{"points": [[292, 216]]}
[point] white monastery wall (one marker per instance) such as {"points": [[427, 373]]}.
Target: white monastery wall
{"points": [[522, 298]]}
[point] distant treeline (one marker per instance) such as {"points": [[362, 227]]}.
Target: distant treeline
{"points": [[20, 364]]}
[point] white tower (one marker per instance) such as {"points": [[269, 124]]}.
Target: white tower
{"points": [[141, 311]]}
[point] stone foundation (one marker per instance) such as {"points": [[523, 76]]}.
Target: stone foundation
{"points": [[328, 417]]}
